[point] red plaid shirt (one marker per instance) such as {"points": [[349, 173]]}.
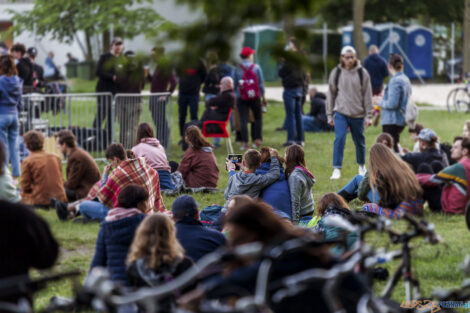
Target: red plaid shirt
{"points": [[132, 171]]}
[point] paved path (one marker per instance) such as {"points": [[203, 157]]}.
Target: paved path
{"points": [[433, 94]]}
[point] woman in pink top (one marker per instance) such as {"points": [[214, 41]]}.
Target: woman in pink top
{"points": [[149, 148]]}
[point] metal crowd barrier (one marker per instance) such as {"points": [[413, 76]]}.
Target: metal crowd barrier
{"points": [[96, 119], [132, 109]]}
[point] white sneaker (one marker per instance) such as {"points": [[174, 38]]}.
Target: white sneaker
{"points": [[336, 174], [362, 170]]}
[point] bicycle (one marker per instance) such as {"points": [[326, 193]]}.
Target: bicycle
{"points": [[458, 99]]}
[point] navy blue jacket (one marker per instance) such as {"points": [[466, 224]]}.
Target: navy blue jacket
{"points": [[377, 68], [112, 245], [10, 94], [277, 194], [197, 240]]}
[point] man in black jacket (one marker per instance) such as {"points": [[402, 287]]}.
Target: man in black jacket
{"points": [[23, 64], [190, 81], [106, 72], [196, 240]]}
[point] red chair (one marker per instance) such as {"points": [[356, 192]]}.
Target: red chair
{"points": [[223, 127]]}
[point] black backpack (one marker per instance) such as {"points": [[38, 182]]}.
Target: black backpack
{"points": [[338, 73]]}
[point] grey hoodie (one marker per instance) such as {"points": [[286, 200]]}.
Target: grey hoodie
{"points": [[350, 99], [251, 184], [300, 186]]}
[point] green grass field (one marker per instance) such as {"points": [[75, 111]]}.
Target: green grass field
{"points": [[437, 266]]}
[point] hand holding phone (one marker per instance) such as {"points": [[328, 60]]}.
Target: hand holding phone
{"points": [[235, 160]]}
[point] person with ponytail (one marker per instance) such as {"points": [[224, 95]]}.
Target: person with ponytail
{"points": [[395, 100]]}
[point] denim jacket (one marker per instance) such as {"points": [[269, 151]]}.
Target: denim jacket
{"points": [[395, 100]]}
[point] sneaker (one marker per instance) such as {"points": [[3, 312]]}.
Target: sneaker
{"points": [[301, 143], [336, 174], [362, 170], [287, 144], [244, 147]]}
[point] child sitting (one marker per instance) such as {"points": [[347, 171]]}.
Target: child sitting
{"points": [[246, 181]]}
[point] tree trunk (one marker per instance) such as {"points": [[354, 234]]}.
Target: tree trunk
{"points": [[106, 41], [89, 48], [358, 19], [466, 38]]}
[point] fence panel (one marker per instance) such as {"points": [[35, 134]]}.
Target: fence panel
{"points": [[88, 115], [132, 109]]}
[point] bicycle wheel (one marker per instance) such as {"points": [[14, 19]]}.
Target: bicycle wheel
{"points": [[461, 100], [450, 100]]}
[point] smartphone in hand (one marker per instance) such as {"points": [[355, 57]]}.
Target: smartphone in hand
{"points": [[236, 159]]}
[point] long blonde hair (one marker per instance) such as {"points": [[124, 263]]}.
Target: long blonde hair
{"points": [[155, 240], [392, 176]]}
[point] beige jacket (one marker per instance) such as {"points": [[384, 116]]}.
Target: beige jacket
{"points": [[350, 99]]}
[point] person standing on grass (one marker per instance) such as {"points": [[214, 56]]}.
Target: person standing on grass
{"points": [[292, 77], [249, 89], [10, 105], [106, 72], [376, 66], [395, 99], [349, 105]]}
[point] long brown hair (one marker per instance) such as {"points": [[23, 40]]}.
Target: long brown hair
{"points": [[330, 200], [144, 130], [392, 177], [196, 139], [295, 156], [155, 240], [7, 65]]}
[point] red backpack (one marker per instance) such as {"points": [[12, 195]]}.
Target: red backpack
{"points": [[248, 86]]}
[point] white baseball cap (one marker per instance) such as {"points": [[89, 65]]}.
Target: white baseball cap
{"points": [[348, 50]]}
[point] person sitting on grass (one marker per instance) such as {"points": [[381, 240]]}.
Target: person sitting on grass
{"points": [[198, 166], [247, 182], [156, 257], [358, 187], [126, 171], [41, 173], [82, 171], [316, 120], [429, 151], [414, 133], [117, 232], [300, 182], [196, 239], [277, 194], [455, 181], [149, 148], [396, 185], [332, 204]]}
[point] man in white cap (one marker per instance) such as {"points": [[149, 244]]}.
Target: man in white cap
{"points": [[349, 104]]}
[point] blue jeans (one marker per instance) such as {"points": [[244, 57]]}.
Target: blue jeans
{"points": [[352, 188], [357, 132], [183, 102], [93, 210], [310, 125], [165, 180], [293, 105], [9, 128]]}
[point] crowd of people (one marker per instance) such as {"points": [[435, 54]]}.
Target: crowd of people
{"points": [[268, 198]]}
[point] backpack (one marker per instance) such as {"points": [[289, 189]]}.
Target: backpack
{"points": [[411, 113], [248, 86], [338, 73]]}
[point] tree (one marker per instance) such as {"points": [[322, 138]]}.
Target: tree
{"points": [[466, 38], [65, 19], [358, 19]]}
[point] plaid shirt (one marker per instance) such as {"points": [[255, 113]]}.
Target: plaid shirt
{"points": [[132, 171]]}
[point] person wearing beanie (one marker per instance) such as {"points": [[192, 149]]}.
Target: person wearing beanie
{"points": [[196, 240]]}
